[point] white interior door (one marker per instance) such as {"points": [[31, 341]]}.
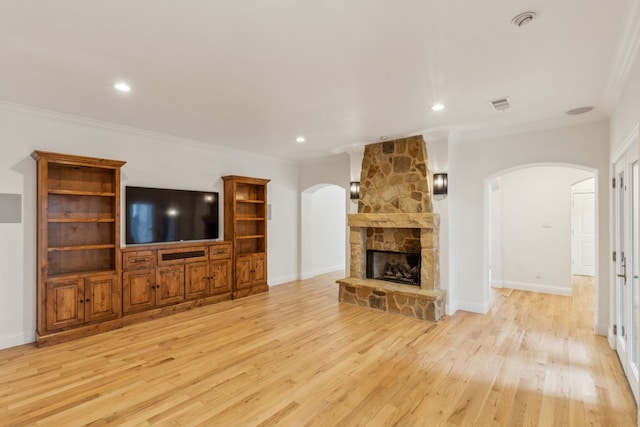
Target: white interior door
{"points": [[584, 234], [626, 284]]}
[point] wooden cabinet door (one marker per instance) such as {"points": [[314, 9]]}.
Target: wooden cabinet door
{"points": [[138, 290], [196, 280], [243, 271], [220, 276], [101, 297], [169, 285], [259, 268], [64, 303]]}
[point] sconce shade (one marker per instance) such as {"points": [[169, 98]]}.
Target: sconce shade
{"points": [[354, 190], [440, 183]]}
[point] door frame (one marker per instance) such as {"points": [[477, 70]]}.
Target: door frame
{"points": [[628, 150], [622, 166]]}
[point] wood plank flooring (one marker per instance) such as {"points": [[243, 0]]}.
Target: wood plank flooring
{"points": [[295, 356]]}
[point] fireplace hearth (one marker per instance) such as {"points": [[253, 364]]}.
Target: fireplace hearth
{"points": [[399, 267]]}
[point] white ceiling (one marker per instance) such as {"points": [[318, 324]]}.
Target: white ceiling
{"points": [[255, 74]]}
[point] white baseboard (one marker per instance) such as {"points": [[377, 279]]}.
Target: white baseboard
{"points": [[314, 273], [497, 284], [275, 281], [611, 338], [537, 287], [470, 306], [450, 309], [474, 307], [601, 329], [16, 340]]}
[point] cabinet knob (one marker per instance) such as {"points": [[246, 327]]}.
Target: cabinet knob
{"points": [[87, 300], [81, 301]]}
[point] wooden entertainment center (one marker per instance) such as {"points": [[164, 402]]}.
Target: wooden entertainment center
{"points": [[87, 284]]}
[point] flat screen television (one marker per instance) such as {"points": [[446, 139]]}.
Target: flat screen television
{"points": [[161, 215]]}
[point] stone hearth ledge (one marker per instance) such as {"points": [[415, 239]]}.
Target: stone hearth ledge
{"points": [[395, 298]]}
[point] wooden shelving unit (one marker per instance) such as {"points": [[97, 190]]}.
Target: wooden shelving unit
{"points": [[245, 210], [79, 287]]}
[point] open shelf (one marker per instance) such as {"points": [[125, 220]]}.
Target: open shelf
{"points": [[82, 193], [82, 261], [80, 179]]}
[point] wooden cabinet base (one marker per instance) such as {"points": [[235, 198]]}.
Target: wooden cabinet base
{"points": [[83, 331], [172, 309], [252, 290], [78, 332]]}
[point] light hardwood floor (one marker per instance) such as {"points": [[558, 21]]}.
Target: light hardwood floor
{"points": [[295, 356]]}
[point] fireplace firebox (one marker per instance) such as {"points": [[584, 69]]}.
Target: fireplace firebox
{"points": [[399, 267]]}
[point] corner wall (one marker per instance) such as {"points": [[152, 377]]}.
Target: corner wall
{"points": [[153, 160]]}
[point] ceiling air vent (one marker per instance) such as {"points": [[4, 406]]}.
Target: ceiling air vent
{"points": [[500, 104]]}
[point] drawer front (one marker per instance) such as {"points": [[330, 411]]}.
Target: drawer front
{"points": [[220, 251], [138, 260]]}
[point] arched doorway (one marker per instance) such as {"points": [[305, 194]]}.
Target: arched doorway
{"points": [[529, 227], [323, 232]]}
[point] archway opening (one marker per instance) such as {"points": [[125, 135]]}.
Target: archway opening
{"points": [[323, 233], [531, 225]]}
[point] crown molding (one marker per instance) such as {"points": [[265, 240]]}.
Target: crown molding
{"points": [[626, 54], [85, 121], [626, 144], [484, 134]]}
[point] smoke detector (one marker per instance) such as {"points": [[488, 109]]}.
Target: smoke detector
{"points": [[523, 19], [500, 104]]}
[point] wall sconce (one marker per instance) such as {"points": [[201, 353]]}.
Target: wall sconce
{"points": [[440, 183], [355, 190]]}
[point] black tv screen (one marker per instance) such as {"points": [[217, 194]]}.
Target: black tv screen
{"points": [[161, 215]]}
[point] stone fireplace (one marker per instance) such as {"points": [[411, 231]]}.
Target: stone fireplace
{"points": [[395, 219]]}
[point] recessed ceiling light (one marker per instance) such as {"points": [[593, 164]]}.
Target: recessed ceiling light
{"points": [[579, 110], [437, 107], [300, 139], [122, 87]]}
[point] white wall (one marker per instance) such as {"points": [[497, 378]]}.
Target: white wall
{"points": [[438, 158], [152, 160], [536, 228], [473, 163], [326, 170], [495, 232]]}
